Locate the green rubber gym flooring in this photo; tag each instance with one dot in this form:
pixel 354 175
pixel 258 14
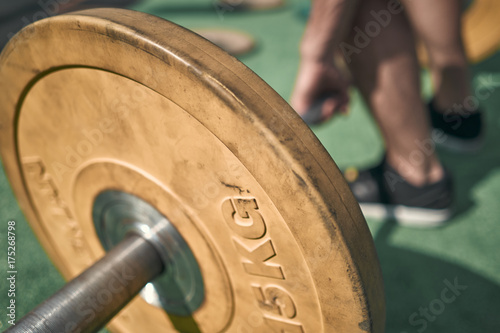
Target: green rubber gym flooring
pixel 418 265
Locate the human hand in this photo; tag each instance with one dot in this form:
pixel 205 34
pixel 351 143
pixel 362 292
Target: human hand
pixel 320 81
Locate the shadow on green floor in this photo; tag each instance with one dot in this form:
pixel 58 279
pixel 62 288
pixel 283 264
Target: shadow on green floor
pixel 489 65
pixel 426 294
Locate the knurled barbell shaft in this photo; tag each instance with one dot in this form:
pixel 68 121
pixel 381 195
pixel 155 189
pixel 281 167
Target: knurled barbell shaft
pixel 89 301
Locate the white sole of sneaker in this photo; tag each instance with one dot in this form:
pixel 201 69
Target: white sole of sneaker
pixel 408 216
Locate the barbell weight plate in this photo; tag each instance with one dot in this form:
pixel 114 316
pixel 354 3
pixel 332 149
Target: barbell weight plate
pixel 480 31
pixel 118 100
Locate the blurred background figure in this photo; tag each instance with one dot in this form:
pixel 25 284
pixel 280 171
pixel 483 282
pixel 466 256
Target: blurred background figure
pixel 376 39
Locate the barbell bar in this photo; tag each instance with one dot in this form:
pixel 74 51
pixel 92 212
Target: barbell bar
pixel 115 279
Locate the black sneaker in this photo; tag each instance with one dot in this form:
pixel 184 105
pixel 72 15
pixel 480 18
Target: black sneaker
pixel 383 193
pixel 460 132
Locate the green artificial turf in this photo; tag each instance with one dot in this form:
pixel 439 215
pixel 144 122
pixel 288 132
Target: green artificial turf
pixel 417 264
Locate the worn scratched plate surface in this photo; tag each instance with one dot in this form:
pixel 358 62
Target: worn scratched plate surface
pixel 119 100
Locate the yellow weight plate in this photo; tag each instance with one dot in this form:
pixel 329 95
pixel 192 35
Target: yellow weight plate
pixel 119 100
pixel 480 31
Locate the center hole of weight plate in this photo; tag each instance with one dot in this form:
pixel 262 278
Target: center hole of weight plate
pixel 179 290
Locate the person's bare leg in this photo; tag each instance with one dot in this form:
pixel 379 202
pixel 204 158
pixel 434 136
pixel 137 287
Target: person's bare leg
pixel 437 24
pixel 387 74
